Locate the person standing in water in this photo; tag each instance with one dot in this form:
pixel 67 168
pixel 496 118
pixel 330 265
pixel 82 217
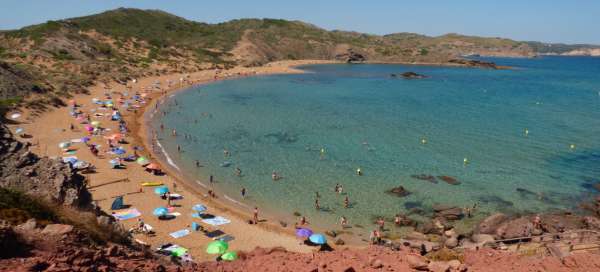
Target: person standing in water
pixel 317 206
pixel 344 221
pixel 255 217
pixel 238 172
pixel 174 132
pixel 211 179
pixel 346 202
pixel 243 191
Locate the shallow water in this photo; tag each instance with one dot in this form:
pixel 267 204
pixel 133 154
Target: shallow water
pixel 363 118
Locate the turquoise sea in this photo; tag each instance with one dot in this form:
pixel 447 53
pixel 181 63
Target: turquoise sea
pixel 531 136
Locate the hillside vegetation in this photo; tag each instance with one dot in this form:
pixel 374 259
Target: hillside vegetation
pixel 41 63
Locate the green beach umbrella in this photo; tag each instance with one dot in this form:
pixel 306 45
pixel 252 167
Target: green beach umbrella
pixel 217 247
pixel 142 161
pixel 229 256
pixel 180 251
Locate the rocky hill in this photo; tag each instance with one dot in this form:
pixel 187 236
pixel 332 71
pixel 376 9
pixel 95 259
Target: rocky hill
pixel 41 63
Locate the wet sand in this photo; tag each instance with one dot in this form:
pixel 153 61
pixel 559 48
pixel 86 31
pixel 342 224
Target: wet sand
pixel 52 127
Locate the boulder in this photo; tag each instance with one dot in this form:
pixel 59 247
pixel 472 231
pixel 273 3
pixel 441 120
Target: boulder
pixel 592 222
pixel 520 227
pixel 454 264
pixel 426 246
pixel 450 180
pixel 437 266
pixel 399 191
pixel 412 75
pixel 454 213
pixel 31 224
pixel 57 229
pixel 451 242
pixel 417 262
pixel 415 235
pixel 489 224
pixel 482 238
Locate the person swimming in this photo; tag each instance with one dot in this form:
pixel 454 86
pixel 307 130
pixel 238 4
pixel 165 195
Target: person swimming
pixel 238 172
pixel 359 172
pixel 275 176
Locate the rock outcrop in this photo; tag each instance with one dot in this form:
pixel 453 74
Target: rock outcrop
pixel 351 56
pixel 48 178
pixel 476 63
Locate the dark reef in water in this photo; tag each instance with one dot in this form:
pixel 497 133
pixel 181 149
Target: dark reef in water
pixel 283 137
pixel 498 201
pixel 425 177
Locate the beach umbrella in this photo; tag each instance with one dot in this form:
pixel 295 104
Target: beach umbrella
pixel 64 144
pixel 161 190
pixel 95 123
pixel 153 166
pixel 115 136
pixel 318 239
pixel 303 232
pixel 19 130
pixel 114 162
pixel 160 211
pixel 217 247
pixel 79 164
pixel 142 161
pixel 199 208
pixel 85 139
pixel 178 252
pixel 15 116
pixel 229 256
pixel 89 128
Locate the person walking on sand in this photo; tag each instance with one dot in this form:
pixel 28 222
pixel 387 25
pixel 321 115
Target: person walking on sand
pixel 255 218
pixel 168 196
pixel 174 186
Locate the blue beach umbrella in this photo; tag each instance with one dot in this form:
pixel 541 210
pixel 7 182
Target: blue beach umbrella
pixel 318 239
pixel 119 151
pixel 199 208
pixel 303 232
pixel 161 190
pixel 160 211
pixel 70 160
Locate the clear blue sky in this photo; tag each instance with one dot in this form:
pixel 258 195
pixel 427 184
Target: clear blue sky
pixel 549 20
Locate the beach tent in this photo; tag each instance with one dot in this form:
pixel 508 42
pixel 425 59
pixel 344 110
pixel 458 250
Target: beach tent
pixel 117 203
pixel 318 239
pixel 217 247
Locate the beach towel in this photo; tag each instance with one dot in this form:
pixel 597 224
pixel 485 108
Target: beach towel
pixel 214 233
pixel 217 221
pixel 117 203
pixel 174 214
pixel 76 140
pixel 226 238
pixel 180 233
pixel 176 196
pixel 126 214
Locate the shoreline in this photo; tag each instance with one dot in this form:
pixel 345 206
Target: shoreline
pixel 52 127
pixel 142 130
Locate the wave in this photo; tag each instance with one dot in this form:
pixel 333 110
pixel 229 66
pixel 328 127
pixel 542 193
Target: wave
pixel 235 201
pixel 201 184
pixel 169 160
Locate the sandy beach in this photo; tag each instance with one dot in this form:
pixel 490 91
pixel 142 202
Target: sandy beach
pixel 53 127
